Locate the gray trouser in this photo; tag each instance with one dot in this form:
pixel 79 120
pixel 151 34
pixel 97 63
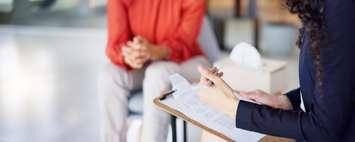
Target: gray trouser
pixel 115 85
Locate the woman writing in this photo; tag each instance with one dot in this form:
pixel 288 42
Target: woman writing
pixel 327 81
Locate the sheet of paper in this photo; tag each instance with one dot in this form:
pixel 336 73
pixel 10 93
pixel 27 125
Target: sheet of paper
pixel 189 103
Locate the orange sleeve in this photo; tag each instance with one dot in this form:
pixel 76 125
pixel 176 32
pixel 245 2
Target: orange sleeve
pixel 118 31
pixel 183 43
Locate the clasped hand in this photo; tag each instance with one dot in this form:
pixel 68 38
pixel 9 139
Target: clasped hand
pixel 138 51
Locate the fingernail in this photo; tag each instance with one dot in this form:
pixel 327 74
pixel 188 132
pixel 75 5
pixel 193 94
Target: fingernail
pixel 210 83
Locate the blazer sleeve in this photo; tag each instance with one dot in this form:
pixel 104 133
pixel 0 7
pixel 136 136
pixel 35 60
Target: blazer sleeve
pixel 183 43
pixel 118 31
pixel 295 99
pixel 327 117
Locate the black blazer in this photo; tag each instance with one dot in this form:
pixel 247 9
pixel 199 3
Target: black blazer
pixel 330 116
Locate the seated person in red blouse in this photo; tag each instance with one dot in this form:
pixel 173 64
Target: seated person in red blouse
pixel 148 40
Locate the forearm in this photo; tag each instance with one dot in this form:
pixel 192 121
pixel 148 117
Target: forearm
pixel 268 120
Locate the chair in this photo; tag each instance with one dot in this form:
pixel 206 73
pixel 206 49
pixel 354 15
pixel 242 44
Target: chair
pixel 209 45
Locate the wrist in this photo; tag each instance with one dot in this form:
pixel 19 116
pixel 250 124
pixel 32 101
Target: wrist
pixel 283 102
pixel 232 111
pixel 159 53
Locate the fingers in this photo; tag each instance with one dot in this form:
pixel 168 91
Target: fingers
pixel 136 63
pixel 139 51
pixel 134 53
pixel 126 51
pixel 206 81
pixel 258 96
pixel 207 73
pixel 220 74
pixel 138 46
pixel 212 78
pixel 209 76
pixel 140 43
pixel 138 39
pixel 205 76
pixel 133 45
pixel 132 63
pixel 133 57
pixel 216 71
pixel 213 70
pixel 248 95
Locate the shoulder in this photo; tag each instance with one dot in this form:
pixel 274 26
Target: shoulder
pixel 340 20
pixel 339 12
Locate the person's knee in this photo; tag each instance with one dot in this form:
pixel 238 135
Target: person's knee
pixel 111 85
pixel 159 72
pixel 157 78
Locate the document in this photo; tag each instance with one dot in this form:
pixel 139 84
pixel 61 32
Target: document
pixel 187 102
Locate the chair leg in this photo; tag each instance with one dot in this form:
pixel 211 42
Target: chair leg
pixel 174 132
pixel 185 131
pixel 173 128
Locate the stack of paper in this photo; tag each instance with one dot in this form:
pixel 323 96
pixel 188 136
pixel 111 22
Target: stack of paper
pixel 187 102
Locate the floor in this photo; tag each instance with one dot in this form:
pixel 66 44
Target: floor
pixel 48 76
pixel 48 83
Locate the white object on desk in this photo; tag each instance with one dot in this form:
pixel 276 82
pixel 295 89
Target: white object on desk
pixel 190 105
pixel 246 56
pixel 270 78
pixel 245 70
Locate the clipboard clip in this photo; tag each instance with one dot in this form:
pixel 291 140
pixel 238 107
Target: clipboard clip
pixel 167 94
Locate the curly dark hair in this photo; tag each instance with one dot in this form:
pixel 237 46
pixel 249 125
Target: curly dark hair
pixel 311 14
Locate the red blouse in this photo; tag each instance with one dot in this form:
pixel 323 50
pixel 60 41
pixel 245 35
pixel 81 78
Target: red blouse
pixel 173 24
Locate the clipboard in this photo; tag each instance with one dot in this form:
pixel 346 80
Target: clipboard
pixel 172 111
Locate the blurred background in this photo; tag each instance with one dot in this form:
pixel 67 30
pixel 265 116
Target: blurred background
pixel 51 52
